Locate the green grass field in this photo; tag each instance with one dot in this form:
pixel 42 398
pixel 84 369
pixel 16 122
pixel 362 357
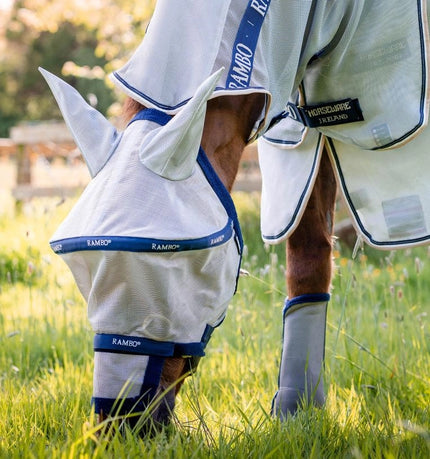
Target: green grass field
pixel 377 358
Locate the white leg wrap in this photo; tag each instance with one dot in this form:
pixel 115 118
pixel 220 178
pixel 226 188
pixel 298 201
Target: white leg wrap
pixel 301 370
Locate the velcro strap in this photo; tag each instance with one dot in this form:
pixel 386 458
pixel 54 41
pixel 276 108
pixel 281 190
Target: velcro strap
pixel 143 346
pixel 327 114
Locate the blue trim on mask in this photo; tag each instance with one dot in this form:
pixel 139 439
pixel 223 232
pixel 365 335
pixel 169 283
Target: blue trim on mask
pixel 151 114
pixel 135 244
pixel 157 352
pixel 226 200
pixel 142 244
pixel 118 407
pixel 221 191
pixel 302 299
pixel 137 345
pixel 152 377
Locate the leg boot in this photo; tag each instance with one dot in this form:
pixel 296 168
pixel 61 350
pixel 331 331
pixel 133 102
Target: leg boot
pixel 301 370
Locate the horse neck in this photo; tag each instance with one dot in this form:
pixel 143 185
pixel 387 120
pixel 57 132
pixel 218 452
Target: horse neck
pixel 228 125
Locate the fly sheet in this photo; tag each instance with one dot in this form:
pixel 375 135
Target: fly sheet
pixel 364 97
pixel 354 71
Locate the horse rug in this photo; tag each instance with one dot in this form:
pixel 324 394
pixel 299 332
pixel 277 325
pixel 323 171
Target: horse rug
pixel 350 75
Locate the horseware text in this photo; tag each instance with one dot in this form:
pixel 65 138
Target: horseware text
pixel 326 109
pixel 330 113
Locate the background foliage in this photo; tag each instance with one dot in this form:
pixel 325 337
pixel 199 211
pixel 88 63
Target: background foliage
pixel 80 40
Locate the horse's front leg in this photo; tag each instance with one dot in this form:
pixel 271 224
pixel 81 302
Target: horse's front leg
pixel 309 270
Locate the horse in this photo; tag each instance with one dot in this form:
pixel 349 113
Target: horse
pixel 227 127
pixel 205 82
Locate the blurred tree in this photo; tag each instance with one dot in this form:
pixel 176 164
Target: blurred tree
pixel 82 40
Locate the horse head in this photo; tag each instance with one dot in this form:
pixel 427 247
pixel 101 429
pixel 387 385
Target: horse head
pixel 155 267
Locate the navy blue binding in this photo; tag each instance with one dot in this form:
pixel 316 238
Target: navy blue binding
pixel 132 244
pixel 157 351
pixel 302 299
pixel 302 196
pixel 141 244
pixel 404 242
pixel 146 97
pixel 151 114
pixel 239 74
pixel 121 344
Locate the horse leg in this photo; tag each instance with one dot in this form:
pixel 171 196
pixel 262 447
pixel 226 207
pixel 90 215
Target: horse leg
pixel 175 370
pixel 309 270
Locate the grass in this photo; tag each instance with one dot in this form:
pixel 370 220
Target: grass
pixel 377 358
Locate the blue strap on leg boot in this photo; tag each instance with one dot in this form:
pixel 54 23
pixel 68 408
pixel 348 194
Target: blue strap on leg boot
pixel 301 369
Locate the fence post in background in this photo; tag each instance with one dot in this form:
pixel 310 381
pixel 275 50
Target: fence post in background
pixel 23 171
pixel 26 137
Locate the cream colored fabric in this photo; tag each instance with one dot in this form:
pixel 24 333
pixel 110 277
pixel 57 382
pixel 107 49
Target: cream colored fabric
pixel 162 291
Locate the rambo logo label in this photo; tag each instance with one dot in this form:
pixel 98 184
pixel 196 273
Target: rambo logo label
pixel 260 6
pixel 98 242
pixel 242 60
pixel 125 342
pixel 217 240
pixel 57 248
pixel 165 247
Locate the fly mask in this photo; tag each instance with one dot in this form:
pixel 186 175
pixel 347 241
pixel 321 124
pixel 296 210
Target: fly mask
pixel 153 242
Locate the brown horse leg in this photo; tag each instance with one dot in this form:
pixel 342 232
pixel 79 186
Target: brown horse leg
pixel 175 370
pixel 309 261
pixel 309 249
